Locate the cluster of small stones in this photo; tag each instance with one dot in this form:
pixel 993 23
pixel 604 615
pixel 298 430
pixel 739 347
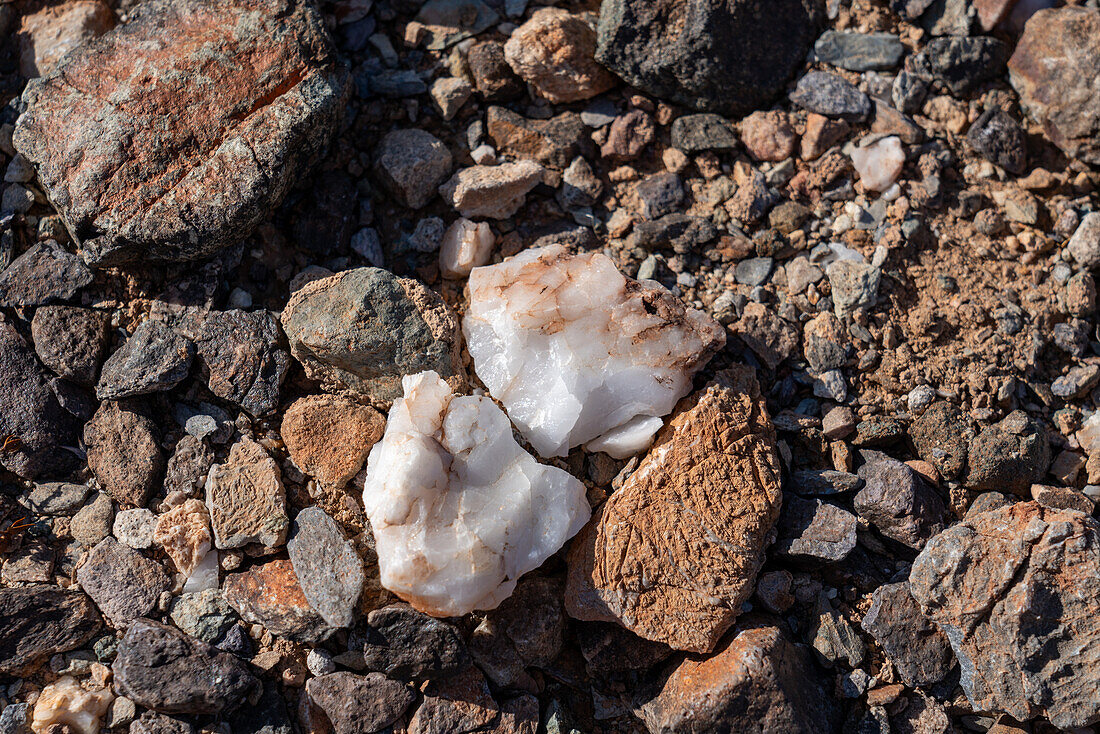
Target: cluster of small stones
pixel 489 366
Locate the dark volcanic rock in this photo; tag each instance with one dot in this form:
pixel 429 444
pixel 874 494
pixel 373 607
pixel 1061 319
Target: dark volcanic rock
pixel 1000 139
pixel 359 704
pixel 730 57
pixel 493 77
pixel 244 358
pixel 411 164
pixel 155 358
pixel 941 436
pixel 822 482
pixel 704 131
pixel 1017 592
pixel 71 341
pixel 232 103
pixel 1009 456
pixel 916 647
pixel 30 412
pixel 831 95
pixel 1054 71
pixel 554 142
pixel 524 631
pixel 43 274
pixel 123 583
pixel 812 530
pixel 859 51
pixel 124 453
pixel 900 504
pixel 403 643
pixel 463 704
pixel 962 63
pixel 162 669
pixel 39 621
pixel 758 682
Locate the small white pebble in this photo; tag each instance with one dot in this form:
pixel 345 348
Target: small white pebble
pixel 484 155
pixel 320 662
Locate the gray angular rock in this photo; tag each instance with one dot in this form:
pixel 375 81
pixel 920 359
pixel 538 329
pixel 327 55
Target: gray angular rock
pixel 811 530
pixel 362 330
pixel 359 704
pixel 900 504
pixel 57 498
pixel 124 454
pixel 705 131
pixel 962 63
pixel 244 358
pixel 941 436
pixel 1008 456
pixel 163 669
pixel 234 102
pixel 728 57
pixel 43 274
pixel 93 522
pixel 831 95
pixel 31 413
pixel 71 341
pixel 1000 140
pixel 123 583
pixel 205 615
pixel 155 358
pixel 1084 245
pixel 1017 592
pixel 822 482
pixel 859 51
pixel 409 645
pixel 39 621
pixel 328 568
pixel 411 165
pixel 919 651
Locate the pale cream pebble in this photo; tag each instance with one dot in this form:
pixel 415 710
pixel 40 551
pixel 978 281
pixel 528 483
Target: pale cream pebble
pixel 65 702
pixel 879 164
pixel 458 509
pixel 184 533
pixel 466 245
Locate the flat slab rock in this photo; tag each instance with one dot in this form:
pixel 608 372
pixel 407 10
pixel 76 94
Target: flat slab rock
pixel 1017 592
pixel 674 553
pixel 37 622
pixel 173 135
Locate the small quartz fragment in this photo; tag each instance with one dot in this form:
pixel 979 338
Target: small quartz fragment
pixel 579 353
pixel 459 510
pixel 879 164
pixel 466 245
pixel 65 703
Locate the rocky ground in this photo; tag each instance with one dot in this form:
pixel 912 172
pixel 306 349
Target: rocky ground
pixel 542 366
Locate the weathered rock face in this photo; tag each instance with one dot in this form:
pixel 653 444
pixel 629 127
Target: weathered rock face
pixel 463 704
pixel 359 704
pixel 246 498
pixel 1016 592
pixel 1008 456
pixel 55 30
pixel 363 330
pixel 730 57
pixel 553 51
pixel 759 682
pixel 459 510
pixel 674 553
pixel 329 436
pixel 491 192
pixel 579 353
pixel 244 358
pixel 916 647
pixel 175 134
pixel 269 594
pixel 1054 71
pixel 167 671
pixel 37 622
pixel 409 645
pixel 899 503
pixel 123 583
pixel 124 451
pixel 71 341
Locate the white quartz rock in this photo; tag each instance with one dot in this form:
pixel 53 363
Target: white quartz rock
pixel 466 245
pixel 578 353
pixel 459 510
pixel 879 164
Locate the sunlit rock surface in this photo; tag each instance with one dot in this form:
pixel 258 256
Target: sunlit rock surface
pixel 459 510
pixel 65 703
pixel 579 353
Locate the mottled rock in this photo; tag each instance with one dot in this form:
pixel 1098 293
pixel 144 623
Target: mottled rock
pixel 674 553
pixel 630 133
pixel 123 583
pixel 71 341
pixel 135 527
pixel 246 498
pixel 188 467
pixel 151 722
pixel 39 621
pixel 831 95
pixel 243 357
pixel 900 504
pixel 409 645
pixel 362 330
pixel 463 704
pixel 554 142
pixel 554 53
pixel 730 57
pixel 1052 69
pixel 359 704
pixel 57 498
pixel 155 358
pixel 233 103
pixel 962 63
pixel 93 522
pixel 48 34
pixel 491 192
pixel 705 131
pixel 269 594
pixel 941 436
pixel 812 530
pixel 411 165
pixel 1009 456
pixel 43 274
pixel 124 452
pixel 328 568
pixel 184 534
pixel 757 682
pixel 329 436
pixel 204 615
pixel 859 51
pixel 1015 590
pixel 770 337
pixel 1000 139
pixel 919 651
pixel 768 136
pixel 163 669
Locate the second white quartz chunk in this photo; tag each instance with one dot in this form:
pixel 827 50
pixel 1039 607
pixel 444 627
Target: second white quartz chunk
pixel 577 352
pixel 459 510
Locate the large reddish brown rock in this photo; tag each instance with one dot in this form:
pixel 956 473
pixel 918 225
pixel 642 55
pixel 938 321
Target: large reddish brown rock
pixel 554 51
pixel 1055 72
pixel 674 553
pixel 269 594
pixel 55 30
pixel 1017 592
pixel 329 436
pixel 758 682
pixel 175 134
